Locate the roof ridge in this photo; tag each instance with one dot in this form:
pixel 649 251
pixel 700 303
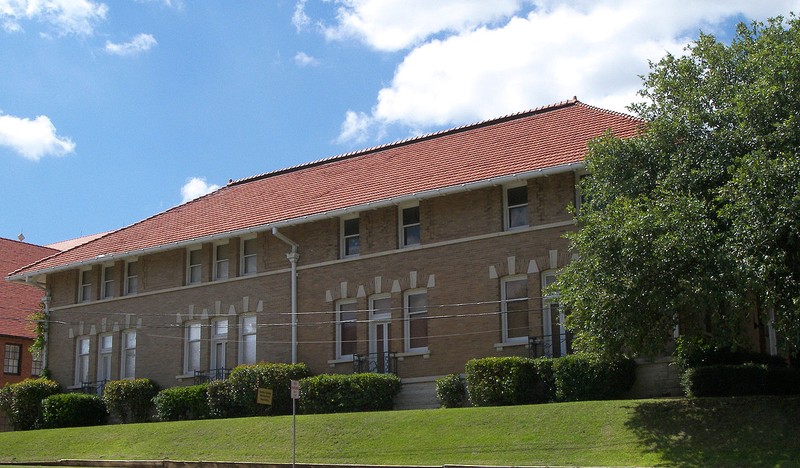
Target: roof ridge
pixel 17 241
pixel 410 140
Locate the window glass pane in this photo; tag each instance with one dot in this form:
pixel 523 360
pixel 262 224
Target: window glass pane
pixel 249 324
pixel 130 340
pixel 351 227
pixel 418 330
pixel 194 356
pixel 518 216
pixel 517 196
pixel 382 306
pixel 194 331
pixel 348 338
pixel 411 215
pixel 194 274
pixel 222 252
pixel 417 302
pixel 250 247
pixel 221 327
pixel 411 235
pixel 352 246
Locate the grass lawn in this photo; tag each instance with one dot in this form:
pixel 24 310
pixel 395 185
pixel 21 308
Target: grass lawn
pixel 752 431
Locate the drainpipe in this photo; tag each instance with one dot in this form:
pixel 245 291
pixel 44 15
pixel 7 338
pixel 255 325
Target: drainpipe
pixel 292 256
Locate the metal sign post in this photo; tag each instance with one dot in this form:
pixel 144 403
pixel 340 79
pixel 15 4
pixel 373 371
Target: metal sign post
pixel 295 397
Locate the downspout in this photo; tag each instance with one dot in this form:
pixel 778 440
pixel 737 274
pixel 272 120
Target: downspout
pixel 292 256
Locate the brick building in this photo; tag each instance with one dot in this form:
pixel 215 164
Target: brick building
pixel 18 302
pixel 412 258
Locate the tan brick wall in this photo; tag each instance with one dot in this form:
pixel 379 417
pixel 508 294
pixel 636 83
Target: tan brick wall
pixel 463 255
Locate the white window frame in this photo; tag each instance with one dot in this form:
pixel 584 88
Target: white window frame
pixel 547 322
pixel 343 244
pixel 248 336
pixel 131 280
pixel 192 267
pixel 505 301
pixel 507 207
pixel 408 316
pixel 105 356
pixel 219 343
pixel 83 348
pixel 191 346
pixel 222 265
pixel 85 284
pixel 403 225
pixel 108 283
pixel 244 257
pixel 12 359
pixel 128 351
pixel 340 322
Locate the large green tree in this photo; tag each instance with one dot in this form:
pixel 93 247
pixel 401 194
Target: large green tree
pixel 695 222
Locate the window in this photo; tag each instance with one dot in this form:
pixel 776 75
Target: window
pixel 219 341
pixel 85 288
pixel 556 338
pixel 351 239
pixel 409 226
pixel 128 367
pixel 416 321
pixel 81 361
pixel 194 269
pixel 11 359
pixel 104 357
pixel 36 363
pixel 249 256
pixel 191 352
pixel 514 305
pixel 108 281
pixel 346 333
pixel 247 340
pixel 221 261
pixel 580 198
pixel 131 277
pixel 516 212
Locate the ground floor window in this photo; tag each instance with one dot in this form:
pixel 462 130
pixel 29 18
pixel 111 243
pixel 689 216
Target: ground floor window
pixel 128 367
pixel 106 346
pixel 514 308
pixel 11 359
pixel 416 321
pixel 191 361
pixel 247 340
pixel 81 361
pixel 346 334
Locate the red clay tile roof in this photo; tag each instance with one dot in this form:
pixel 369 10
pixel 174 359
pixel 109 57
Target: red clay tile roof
pixel 548 137
pixel 71 243
pixel 18 301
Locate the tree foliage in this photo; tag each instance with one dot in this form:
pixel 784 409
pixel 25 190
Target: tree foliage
pixel 695 222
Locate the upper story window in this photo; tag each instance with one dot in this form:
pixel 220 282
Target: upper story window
pixel 11 359
pixel 346 332
pixel 580 198
pixel 85 286
pixel 194 266
pixel 351 237
pixel 249 255
pixel 109 274
pixel 221 261
pixel 416 321
pixel 514 308
pixel 131 277
pixel 409 226
pixel 516 206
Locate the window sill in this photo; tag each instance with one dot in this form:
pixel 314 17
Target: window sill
pixel 343 360
pixel 425 353
pixel 509 344
pixel 184 376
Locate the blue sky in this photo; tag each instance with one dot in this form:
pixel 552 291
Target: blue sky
pixel 111 112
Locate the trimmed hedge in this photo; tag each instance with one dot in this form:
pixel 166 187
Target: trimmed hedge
pixel 73 410
pixel 182 403
pixel 739 380
pixel 236 396
pixel 22 402
pixel 451 391
pixel 693 352
pixel 339 393
pixel 130 400
pixel 499 381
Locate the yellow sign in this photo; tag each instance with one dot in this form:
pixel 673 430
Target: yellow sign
pixel 264 396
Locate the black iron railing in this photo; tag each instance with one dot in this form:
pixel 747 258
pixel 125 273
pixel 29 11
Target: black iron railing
pixel 378 363
pixel 93 388
pixel 203 376
pixel 540 346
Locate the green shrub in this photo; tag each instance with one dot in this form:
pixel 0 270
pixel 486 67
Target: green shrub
pixel 236 396
pixel 130 400
pixel 694 352
pixel 580 377
pixel 451 391
pixel 180 403
pixel 497 381
pixel 740 380
pixel 22 402
pixel 338 393
pixel 73 410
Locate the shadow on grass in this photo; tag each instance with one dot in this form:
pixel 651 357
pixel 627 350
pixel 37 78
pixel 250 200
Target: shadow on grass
pixel 744 431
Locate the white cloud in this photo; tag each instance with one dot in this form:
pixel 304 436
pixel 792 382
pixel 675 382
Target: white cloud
pixel 67 16
pixel 300 19
pixel 140 43
pixel 391 25
pixel 196 187
pixel 595 50
pixel 33 139
pixel 304 60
